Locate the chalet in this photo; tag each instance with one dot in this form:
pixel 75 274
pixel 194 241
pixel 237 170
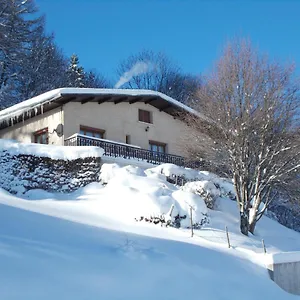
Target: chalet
pixel 138 124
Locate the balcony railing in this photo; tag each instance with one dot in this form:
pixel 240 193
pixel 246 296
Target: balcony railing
pixel 115 149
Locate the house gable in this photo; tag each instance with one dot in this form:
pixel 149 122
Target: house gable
pixel 121 122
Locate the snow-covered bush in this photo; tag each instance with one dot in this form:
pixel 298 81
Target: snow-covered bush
pixel 163 220
pixel 203 183
pixel 206 189
pixel 176 220
pixel 147 196
pixel 172 171
pixel 174 209
pixel 109 171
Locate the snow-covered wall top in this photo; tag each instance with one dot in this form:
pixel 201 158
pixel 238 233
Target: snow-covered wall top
pixel 20 108
pixel 283 257
pixel 50 151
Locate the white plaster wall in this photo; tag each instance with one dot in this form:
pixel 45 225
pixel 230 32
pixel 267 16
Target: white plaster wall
pixel 23 132
pixel 119 120
pixel 287 276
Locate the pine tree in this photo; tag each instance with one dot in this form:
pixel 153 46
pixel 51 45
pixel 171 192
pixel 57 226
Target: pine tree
pixel 76 74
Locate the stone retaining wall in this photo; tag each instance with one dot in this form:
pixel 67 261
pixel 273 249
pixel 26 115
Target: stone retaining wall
pixel 20 173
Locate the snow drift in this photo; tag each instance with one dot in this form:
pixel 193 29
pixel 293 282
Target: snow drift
pixel 48 257
pixel 149 196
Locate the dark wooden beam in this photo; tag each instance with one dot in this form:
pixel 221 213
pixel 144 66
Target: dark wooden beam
pixel 117 101
pixel 87 99
pixel 137 99
pixel 65 101
pixel 165 107
pixel 105 99
pixel 149 100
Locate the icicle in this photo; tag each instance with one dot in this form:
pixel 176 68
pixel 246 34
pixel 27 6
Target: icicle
pixel 23 115
pixel 42 108
pixel 35 111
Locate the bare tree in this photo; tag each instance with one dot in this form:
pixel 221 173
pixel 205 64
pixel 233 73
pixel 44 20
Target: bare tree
pixel 18 27
pixel 43 68
pixel 95 80
pixel 155 71
pixel 18 23
pixel 253 105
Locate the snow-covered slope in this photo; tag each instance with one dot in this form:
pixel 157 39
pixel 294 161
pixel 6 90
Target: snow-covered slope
pixel 87 245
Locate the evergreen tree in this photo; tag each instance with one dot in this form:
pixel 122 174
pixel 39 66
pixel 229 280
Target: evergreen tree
pixel 76 74
pixel 30 61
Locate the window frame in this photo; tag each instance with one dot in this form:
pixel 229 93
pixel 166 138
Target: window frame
pixel 142 118
pixel 92 130
pixel 39 133
pixel 158 144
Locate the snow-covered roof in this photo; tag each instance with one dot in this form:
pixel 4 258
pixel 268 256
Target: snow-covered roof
pixel 57 97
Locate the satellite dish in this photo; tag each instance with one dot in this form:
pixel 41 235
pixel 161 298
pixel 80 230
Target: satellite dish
pixel 59 130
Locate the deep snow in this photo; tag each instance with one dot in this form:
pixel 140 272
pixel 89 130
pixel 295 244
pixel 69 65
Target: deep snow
pixel 54 152
pixel 87 245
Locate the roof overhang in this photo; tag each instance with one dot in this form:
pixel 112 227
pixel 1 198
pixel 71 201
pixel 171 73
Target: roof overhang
pixel 59 97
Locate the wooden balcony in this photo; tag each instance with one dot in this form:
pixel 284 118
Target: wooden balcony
pixel 115 149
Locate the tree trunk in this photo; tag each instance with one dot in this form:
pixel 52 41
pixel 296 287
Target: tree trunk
pixel 244 223
pixel 254 211
pixel 252 226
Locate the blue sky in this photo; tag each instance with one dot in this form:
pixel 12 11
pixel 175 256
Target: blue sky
pixel 191 32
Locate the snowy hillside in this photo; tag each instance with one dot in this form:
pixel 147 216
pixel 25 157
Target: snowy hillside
pixel 88 244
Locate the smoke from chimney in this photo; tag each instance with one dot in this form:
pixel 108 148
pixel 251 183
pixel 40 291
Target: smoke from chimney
pixel 137 69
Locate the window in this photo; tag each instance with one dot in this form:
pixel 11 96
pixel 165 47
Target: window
pixel 41 136
pixel 127 139
pixel 93 132
pixel 145 116
pixel 157 147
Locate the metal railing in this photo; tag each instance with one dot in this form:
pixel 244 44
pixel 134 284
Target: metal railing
pixel 115 149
